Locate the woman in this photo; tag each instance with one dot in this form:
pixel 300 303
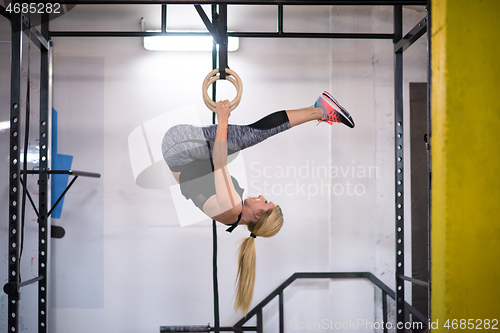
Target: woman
pixel 198 157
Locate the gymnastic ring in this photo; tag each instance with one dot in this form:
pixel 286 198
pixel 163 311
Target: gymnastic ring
pixel 211 104
pixel 235 80
pixel 211 78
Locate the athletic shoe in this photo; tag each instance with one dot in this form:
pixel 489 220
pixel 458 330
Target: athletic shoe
pixel 333 111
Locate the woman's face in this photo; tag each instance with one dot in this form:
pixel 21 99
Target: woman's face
pixel 257 204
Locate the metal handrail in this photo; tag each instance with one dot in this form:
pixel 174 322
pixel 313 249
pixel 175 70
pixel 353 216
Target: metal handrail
pixel 257 310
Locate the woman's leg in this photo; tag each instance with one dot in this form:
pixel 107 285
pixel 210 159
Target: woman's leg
pixel 243 136
pixel 183 144
pixel 304 115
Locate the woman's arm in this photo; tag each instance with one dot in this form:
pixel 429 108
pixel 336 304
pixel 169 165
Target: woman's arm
pixel 226 195
pixel 219 155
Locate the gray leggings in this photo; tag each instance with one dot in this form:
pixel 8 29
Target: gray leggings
pixel 183 144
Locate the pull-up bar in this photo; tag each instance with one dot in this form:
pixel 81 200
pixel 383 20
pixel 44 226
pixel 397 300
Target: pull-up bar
pixel 74 173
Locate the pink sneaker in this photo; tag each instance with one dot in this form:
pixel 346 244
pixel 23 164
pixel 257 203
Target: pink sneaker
pixel 333 111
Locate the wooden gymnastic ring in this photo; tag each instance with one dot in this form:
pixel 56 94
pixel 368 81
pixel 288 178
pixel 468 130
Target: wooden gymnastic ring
pixel 235 80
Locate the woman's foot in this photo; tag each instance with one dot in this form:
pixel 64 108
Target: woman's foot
pixel 333 112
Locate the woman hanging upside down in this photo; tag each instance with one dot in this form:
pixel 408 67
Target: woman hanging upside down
pixel 191 151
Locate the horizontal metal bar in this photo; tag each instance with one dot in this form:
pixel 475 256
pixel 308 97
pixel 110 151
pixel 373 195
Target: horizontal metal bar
pixel 311 35
pixel 122 33
pixel 415 281
pixel 412 36
pixel 184 328
pixel 25 283
pixel 164 329
pixel 332 275
pixel 67 172
pixel 78 173
pixel 36 36
pixel 231 34
pixel 251 2
pixel 231 329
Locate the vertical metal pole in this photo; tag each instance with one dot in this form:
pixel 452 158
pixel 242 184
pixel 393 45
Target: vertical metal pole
pixel 163 18
pixel 223 64
pixel 260 322
pixel 215 282
pixel 384 310
pixel 280 19
pixel 43 225
pixel 215 22
pixel 281 314
pixel 429 160
pixel 14 172
pixel 399 178
pixel 214 223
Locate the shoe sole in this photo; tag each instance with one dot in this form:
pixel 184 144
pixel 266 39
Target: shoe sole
pixel 343 111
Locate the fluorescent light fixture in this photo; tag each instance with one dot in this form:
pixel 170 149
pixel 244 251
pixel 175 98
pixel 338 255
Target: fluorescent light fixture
pixel 186 43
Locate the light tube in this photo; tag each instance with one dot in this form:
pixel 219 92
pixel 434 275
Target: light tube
pixel 185 43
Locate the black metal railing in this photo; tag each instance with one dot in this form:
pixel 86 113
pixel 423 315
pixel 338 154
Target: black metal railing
pixel 257 311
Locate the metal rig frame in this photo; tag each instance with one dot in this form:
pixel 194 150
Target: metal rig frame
pixel 218 30
pixel 12 288
pixel 20 24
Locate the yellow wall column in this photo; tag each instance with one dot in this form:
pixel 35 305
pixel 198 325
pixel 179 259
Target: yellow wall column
pixel 465 233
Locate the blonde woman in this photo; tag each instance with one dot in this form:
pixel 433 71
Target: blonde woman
pixel 198 158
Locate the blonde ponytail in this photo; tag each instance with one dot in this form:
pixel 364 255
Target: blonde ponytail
pixel 268 225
